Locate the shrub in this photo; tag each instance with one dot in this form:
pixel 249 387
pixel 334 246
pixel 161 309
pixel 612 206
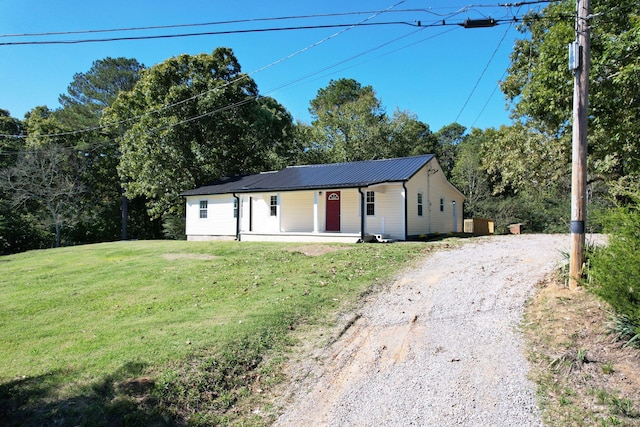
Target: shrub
pixel 173 227
pixel 615 269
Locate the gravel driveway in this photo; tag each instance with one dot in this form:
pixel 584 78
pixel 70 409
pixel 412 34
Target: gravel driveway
pixel 438 347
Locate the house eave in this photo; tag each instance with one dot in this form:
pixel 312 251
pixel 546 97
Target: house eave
pixel 370 185
pixel 350 185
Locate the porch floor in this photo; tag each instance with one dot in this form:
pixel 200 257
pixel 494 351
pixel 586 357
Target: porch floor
pixel 309 237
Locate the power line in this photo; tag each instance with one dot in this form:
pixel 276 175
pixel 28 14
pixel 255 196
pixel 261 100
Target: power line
pixel 527 3
pixel 259 30
pixel 202 24
pixel 488 99
pixel 96 128
pixel 205 33
pixel 377 57
pixel 413 23
pixel 437 23
pixel 267 19
pixel 207 24
pixel 483 72
pixel 351 58
pixel 423 27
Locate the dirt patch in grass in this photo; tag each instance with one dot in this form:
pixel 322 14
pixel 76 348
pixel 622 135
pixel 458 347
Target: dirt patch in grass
pixel 135 386
pixel 198 257
pixel 583 376
pixel 317 250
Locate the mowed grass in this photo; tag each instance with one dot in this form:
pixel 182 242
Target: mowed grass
pixel 163 332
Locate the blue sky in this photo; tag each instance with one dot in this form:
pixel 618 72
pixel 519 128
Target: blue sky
pixel 429 71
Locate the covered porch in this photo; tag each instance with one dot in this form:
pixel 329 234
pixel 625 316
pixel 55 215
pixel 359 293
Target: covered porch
pixel 326 215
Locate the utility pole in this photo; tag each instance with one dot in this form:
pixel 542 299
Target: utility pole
pixel 579 62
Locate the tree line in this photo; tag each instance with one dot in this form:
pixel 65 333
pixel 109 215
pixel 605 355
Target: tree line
pixel 111 162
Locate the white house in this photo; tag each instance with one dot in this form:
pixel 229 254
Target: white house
pixel 340 202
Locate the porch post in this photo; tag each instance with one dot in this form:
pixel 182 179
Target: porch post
pixel 405 222
pixel 237 212
pixel 315 211
pixel 362 215
pixel 279 195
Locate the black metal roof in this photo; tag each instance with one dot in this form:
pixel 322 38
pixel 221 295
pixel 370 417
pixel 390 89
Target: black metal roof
pixel 309 177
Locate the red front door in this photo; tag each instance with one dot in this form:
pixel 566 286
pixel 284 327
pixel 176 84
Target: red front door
pixel 333 211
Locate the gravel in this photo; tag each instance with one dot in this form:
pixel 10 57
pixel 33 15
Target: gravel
pixel 440 346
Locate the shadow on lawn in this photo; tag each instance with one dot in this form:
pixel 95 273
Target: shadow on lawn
pixel 121 399
pixel 438 237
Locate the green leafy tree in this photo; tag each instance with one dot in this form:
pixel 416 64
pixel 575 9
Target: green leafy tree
pixel 47 178
pixel 518 158
pixel 348 123
pixel 10 138
pixel 408 136
pixel 530 172
pixel 87 96
pixel 469 175
pixel 91 92
pixel 448 138
pixel 540 85
pixel 194 119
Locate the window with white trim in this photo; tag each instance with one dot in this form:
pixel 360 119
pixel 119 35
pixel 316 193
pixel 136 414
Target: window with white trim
pixel 235 208
pixel 371 203
pixel 274 205
pixel 204 205
pixel 442 205
pixel 420 205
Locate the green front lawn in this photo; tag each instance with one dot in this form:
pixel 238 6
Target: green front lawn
pixel 164 332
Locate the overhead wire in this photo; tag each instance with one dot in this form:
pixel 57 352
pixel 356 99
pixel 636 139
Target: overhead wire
pixel 362 23
pixel 379 56
pixel 495 87
pixel 204 33
pixel 317 43
pixel 423 27
pixel 280 87
pixel 252 20
pixel 248 100
pixel 415 23
pixel 246 31
pixel 165 107
pixel 493 55
pixel 227 22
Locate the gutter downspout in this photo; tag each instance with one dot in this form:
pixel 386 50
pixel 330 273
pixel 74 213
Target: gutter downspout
pixel 238 217
pixel 362 215
pixel 406 211
pixel 429 199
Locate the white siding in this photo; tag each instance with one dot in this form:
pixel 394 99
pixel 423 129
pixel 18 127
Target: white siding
pixel 297 211
pixel 389 211
pixel 431 182
pixel 261 218
pixel 420 183
pixel 349 211
pixel 219 221
pixel 244 212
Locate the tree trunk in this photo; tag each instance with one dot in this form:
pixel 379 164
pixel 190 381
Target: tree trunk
pixel 125 217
